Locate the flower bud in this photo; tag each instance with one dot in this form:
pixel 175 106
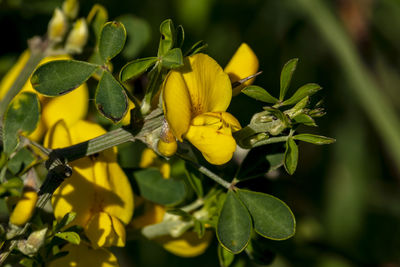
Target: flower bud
pixel 71 8
pixel 78 36
pixel 24 209
pixel 57 26
pixel 167 144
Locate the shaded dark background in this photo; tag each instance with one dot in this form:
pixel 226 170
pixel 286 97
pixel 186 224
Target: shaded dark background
pixel 345 196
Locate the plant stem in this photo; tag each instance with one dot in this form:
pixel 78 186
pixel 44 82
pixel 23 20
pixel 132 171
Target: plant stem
pixel 377 105
pixel 271 140
pixel 211 175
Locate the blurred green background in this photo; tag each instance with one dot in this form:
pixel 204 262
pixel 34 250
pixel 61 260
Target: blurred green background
pixel 346 196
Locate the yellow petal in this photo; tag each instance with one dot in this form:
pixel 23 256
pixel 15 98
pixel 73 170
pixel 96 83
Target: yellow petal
pixel 215 119
pixel 105 231
pixel 209 87
pixel 176 103
pixel 82 256
pixel 119 202
pixel 70 107
pixel 58 136
pixel 127 119
pixel 167 149
pixel 165 170
pixel 37 134
pixel 13 73
pixel 243 64
pixel 188 245
pixel 148 158
pixel 152 214
pixel 24 209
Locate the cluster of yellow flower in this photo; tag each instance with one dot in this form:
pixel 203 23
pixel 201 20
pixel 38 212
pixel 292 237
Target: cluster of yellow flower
pixel 195 99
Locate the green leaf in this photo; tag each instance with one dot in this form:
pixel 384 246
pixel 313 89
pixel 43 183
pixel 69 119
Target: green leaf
pixel 305 119
pixel 173 59
pixel 21 161
pixel 306 90
pixel 286 76
pixel 291 156
pixel 272 218
pixel 259 93
pixel 61 76
pixel 198 47
pixel 135 68
pixel 111 98
pixel 21 117
pixel 225 257
pixel 71 237
pixel 14 182
pixel 194 178
pixel 167 31
pixel 139 35
pixel 154 187
pixel 67 219
pixel 234 224
pixel 180 36
pixel 112 39
pixel 314 139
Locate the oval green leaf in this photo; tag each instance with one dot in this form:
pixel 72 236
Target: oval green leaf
pixel 305 90
pixel 136 68
pixel 291 156
pixel 234 224
pixel 61 76
pixel 112 39
pixel 111 98
pixel 71 237
pixel 286 76
pixel 167 31
pixel 21 117
pixel 314 139
pixel 305 119
pixel 154 187
pixel 259 93
pixel 173 59
pixel 272 218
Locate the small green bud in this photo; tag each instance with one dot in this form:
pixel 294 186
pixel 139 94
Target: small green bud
pixel 57 26
pixel 70 8
pixel 78 37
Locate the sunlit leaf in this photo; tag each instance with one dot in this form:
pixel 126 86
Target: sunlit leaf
pixel 61 76
pixel 259 93
pixel 286 76
pixel 234 224
pixel 21 117
pixel 314 139
pixel 167 31
pixel 71 237
pixel 272 218
pixel 306 90
pixel 136 68
pixel 173 59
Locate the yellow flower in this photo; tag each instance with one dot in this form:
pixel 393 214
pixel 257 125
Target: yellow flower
pixel 25 208
pixel 243 64
pixel 83 256
pixel 70 107
pixel 195 98
pixel 98 190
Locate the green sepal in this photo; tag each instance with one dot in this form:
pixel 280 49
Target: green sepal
pixel 198 47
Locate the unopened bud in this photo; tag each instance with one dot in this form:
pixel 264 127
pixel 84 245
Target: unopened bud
pixel 167 144
pixel 57 26
pixel 25 208
pixel 78 36
pixel 71 8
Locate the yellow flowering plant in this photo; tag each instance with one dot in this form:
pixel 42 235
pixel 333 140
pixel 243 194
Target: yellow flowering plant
pixel 187 184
